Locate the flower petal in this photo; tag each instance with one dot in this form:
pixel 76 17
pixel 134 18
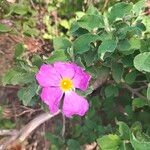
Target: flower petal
pixel 48 76
pixel 74 105
pixel 81 79
pixel 52 96
pixel 67 70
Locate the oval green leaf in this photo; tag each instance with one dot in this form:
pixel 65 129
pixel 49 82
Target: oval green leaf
pixel 142 62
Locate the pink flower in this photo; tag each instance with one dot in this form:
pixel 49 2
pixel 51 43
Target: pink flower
pixel 59 81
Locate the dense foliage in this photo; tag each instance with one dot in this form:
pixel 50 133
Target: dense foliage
pixel 113 45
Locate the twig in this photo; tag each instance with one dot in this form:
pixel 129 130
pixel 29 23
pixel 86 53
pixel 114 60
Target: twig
pixel 99 82
pixel 64 124
pixel 140 88
pixel 134 91
pixel 8 132
pixel 105 5
pixel 27 129
pixel 32 4
pixel 32 125
pixel 31 111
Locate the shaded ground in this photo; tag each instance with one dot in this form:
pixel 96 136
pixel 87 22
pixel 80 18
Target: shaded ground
pixel 12 109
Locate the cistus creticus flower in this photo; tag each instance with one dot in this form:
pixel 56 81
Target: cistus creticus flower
pixel 58 82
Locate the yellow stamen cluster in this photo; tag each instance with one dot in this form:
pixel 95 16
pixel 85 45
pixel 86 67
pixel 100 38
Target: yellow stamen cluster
pixel 66 84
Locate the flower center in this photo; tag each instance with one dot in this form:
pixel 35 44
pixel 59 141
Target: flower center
pixel 66 84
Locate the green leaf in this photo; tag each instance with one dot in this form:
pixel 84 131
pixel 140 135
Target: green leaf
pixel 92 10
pixel 20 9
pixel 82 43
pixel 127 61
pixel 57 55
pixel 27 93
pixel 139 7
pixel 65 23
pixel 109 142
pixel 15 77
pixel 107 46
pixel 119 10
pixel 146 22
pixel 131 76
pixel 124 45
pixel 32 31
pixel 124 130
pixel 99 72
pixel 139 145
pixel 91 22
pixel 148 92
pixel 111 91
pixel 135 43
pixel 89 57
pixel 117 71
pixel 73 144
pixel 37 60
pixel 142 62
pixel 138 103
pixel 56 142
pixel 19 49
pixel 145 45
pixel 61 43
pixel 4 28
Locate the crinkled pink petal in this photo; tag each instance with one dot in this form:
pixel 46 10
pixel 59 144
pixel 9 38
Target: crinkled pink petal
pixel 67 70
pixel 48 76
pixel 81 79
pixel 74 105
pixel 52 96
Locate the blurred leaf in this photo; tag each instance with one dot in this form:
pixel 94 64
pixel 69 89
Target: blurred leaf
pixel 64 23
pixel 109 142
pixel 135 43
pixel 111 91
pixel 139 145
pixel 37 60
pixel 57 55
pixel 107 46
pixel 61 43
pixel 89 57
pixel 56 142
pixel 99 72
pixel 91 22
pixel 19 49
pixel 124 130
pixel 4 28
pixel 20 9
pixel 127 61
pixel 117 71
pixel 92 10
pixel 82 43
pixel 124 45
pixel 7 124
pixel 88 92
pixel 145 45
pixel 119 10
pixel 79 62
pixel 27 93
pixel 30 30
pixel 15 76
pixel 73 144
pixel 131 76
pixel 129 111
pixel 138 103
pixel 142 62
pixel 146 22
pixel 139 7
